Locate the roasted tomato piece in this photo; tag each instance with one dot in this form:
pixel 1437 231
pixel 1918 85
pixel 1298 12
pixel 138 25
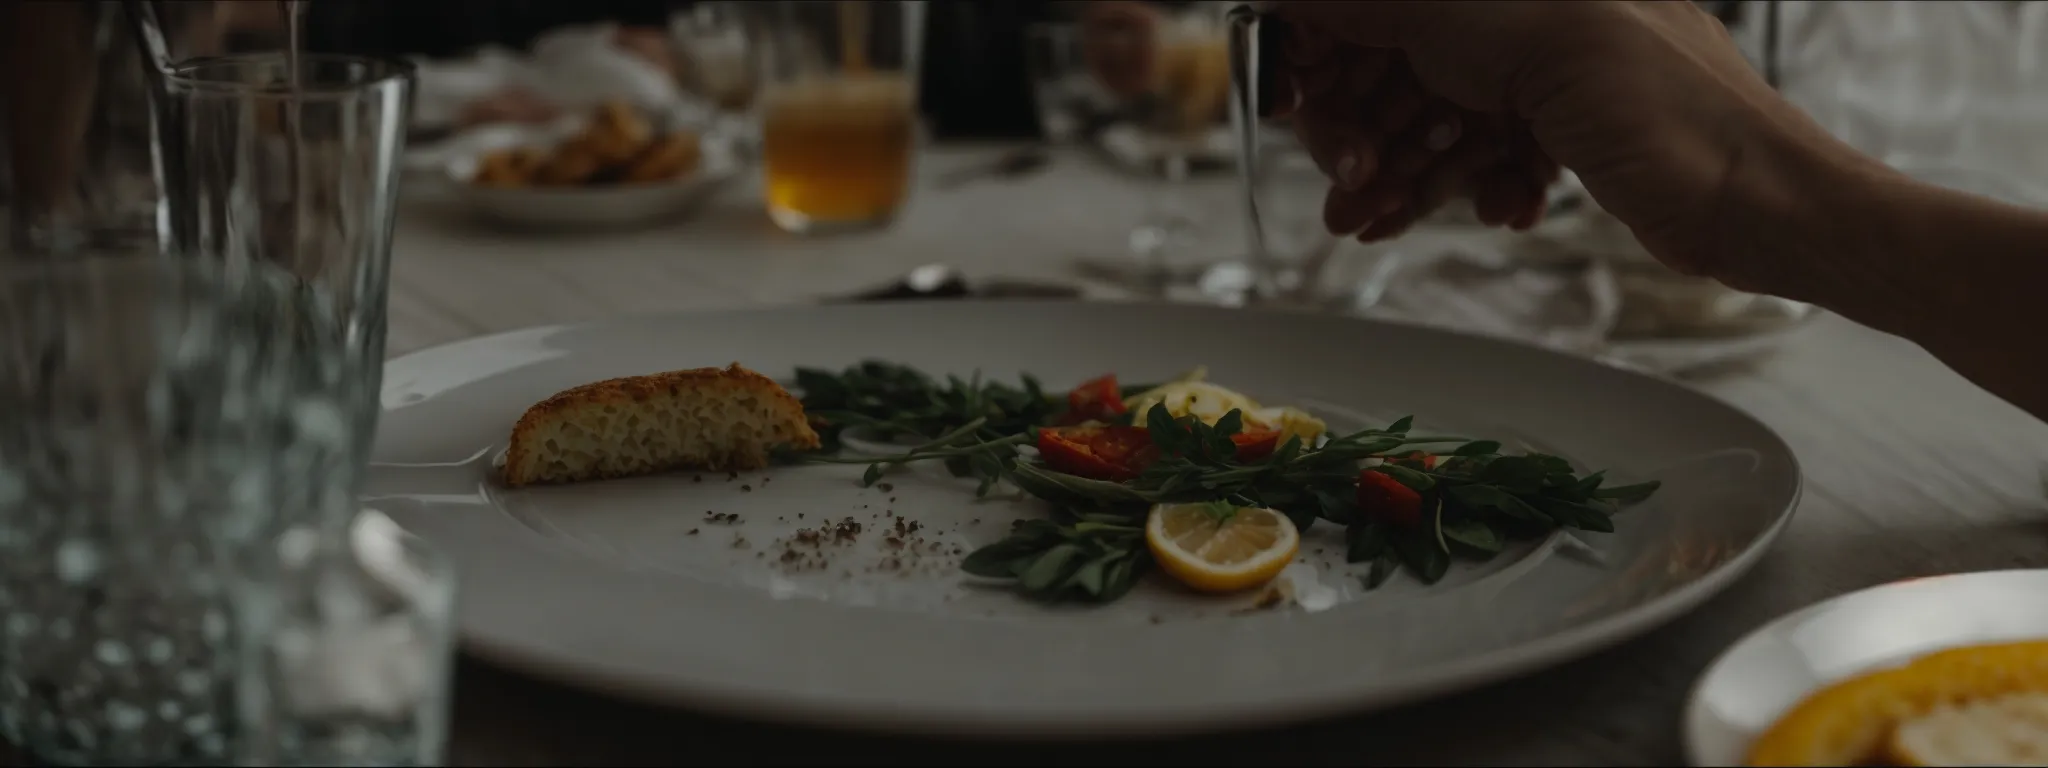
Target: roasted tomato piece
pixel 1253 446
pixel 1110 452
pixel 1095 400
pixel 1386 500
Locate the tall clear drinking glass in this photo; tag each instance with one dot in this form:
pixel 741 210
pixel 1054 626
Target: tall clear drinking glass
pixel 839 121
pixel 348 651
pixel 272 164
pixel 165 420
pixel 77 116
pixel 299 171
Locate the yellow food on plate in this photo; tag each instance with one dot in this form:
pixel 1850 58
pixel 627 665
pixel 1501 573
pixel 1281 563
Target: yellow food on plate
pixel 1928 712
pixel 1191 396
pixel 1215 547
pixel 705 418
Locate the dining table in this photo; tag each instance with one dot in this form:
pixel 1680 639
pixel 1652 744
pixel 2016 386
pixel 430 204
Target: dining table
pixel 1910 471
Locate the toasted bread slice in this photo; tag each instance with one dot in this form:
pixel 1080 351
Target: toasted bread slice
pixel 704 418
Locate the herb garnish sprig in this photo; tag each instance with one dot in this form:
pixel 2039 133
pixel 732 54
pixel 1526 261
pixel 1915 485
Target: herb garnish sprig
pixel 897 401
pixel 1406 501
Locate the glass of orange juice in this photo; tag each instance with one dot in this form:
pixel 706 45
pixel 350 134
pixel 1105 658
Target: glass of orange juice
pixel 838 110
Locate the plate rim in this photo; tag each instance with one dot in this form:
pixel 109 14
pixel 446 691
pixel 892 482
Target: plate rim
pixel 769 705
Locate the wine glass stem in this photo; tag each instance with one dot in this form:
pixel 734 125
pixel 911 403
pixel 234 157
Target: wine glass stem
pixel 1165 221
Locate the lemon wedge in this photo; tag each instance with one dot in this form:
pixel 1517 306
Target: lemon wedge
pixel 1199 399
pixel 2007 730
pixel 1215 547
pixel 1908 711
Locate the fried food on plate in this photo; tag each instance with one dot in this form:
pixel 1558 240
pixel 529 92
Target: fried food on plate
pixel 618 145
pixel 664 158
pixel 704 418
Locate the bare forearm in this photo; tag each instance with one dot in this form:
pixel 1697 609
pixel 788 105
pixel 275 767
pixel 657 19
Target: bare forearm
pixel 1963 276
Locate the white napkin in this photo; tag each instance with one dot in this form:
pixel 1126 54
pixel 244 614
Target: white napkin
pixel 571 67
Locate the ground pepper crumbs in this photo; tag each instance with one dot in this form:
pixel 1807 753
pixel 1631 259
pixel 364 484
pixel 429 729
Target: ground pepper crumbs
pixel 720 518
pixel 731 476
pixel 746 488
pixel 806 549
pixel 905 551
pixel 693 531
pixel 886 488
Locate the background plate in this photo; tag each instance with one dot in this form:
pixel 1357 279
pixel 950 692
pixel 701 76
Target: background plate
pixel 702 590
pixel 1762 676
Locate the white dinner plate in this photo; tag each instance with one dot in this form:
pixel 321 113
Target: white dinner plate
pixel 1766 673
pixel 597 206
pixel 678 589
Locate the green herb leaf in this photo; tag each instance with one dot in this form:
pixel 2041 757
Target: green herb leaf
pixel 993 561
pixel 1475 534
pixel 1338 505
pixel 1408 477
pixel 1231 424
pixel 1164 431
pixel 1051 569
pixel 1486 497
pixel 1220 511
pixel 1477 448
pixel 1287 451
pixel 1400 426
pixel 1579 515
pixel 1069 490
pixel 1521 473
pixel 1364 541
pixel 1419 550
pixel 1383 567
pixel 1627 494
pixel 1089 579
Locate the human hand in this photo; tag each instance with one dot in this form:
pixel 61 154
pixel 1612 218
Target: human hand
pixel 1650 103
pixel 1396 152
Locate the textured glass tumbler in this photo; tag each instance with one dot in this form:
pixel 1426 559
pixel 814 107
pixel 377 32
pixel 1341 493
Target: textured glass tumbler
pixel 348 651
pixel 298 171
pixel 161 417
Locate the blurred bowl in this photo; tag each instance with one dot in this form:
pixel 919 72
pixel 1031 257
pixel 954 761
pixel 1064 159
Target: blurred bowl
pixel 594 206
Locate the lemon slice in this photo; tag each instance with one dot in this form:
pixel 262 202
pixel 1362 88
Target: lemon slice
pixel 1215 547
pixel 2008 730
pixel 1864 718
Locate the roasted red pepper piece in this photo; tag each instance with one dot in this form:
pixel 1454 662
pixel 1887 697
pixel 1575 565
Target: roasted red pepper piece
pixel 1110 452
pixel 1095 400
pixel 1386 500
pixel 1253 446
